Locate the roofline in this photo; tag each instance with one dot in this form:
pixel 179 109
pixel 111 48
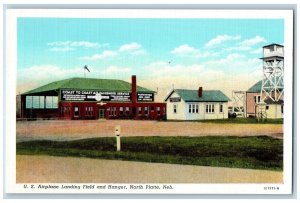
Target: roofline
pixel 174 90
pixel 273 44
pixel 168 96
pixel 28 92
pixel 269 57
pixel 57 90
pixel 207 101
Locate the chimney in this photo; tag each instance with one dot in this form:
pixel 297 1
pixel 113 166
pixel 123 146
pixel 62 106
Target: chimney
pixel 133 88
pixel 200 92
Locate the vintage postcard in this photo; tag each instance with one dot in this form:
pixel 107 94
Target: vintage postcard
pixel 166 101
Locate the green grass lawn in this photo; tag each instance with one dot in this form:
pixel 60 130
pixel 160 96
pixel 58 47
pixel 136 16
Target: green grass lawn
pixel 260 152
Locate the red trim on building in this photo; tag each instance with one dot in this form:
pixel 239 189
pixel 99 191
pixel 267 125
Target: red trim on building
pixel 94 110
pixel 72 110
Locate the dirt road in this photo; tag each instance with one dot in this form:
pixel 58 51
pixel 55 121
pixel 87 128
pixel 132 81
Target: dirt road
pixel 49 169
pixel 68 130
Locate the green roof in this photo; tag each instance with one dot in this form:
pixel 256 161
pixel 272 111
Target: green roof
pixel 256 87
pixel 88 84
pixel 207 95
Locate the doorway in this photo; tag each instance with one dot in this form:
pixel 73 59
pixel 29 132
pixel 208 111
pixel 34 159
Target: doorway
pixel 101 113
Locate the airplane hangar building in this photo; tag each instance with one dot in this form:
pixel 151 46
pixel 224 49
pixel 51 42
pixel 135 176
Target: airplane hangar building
pixel 86 98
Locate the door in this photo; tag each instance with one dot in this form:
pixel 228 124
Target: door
pixel 101 113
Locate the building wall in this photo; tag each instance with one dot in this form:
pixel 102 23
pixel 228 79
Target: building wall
pixel 91 110
pixel 184 114
pixel 274 111
pixel 180 113
pixel 250 107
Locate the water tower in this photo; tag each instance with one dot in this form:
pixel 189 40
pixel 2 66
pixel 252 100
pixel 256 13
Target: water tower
pixel 272 83
pixel 273 64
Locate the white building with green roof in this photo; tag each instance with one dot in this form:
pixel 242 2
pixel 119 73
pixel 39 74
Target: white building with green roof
pixel 184 104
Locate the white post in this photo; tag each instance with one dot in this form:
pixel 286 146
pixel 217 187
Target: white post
pixel 118 139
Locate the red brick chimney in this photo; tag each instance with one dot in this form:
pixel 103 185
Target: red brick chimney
pixel 133 88
pixel 200 92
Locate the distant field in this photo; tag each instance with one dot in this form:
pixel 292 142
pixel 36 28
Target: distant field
pixel 255 152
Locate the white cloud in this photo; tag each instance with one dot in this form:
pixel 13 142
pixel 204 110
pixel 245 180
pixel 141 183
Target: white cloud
pixel 38 75
pixel 235 63
pixel 188 51
pixel 103 55
pixel 220 39
pixel 65 46
pixel 130 47
pixel 238 48
pixel 185 50
pixel 133 48
pixel 247 45
pixel 253 41
pixel 61 49
pixel 115 69
pixel 257 51
pixel 86 44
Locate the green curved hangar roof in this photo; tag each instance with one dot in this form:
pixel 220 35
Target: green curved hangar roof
pixel 88 84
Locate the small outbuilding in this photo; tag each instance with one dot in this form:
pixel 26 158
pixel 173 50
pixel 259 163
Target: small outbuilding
pixel 184 104
pixel 254 103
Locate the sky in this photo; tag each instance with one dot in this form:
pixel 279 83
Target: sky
pixel 163 53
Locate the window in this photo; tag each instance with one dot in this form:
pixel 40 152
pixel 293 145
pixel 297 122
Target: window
pixel 127 110
pixel 69 111
pixel 140 110
pixel 210 108
pixel 35 102
pixel 51 102
pixel 221 108
pixel 28 102
pixel 121 110
pixel 158 110
pixel 281 109
pixel 146 110
pixel 42 102
pixel 174 108
pixel 76 111
pixel 267 107
pixel 193 108
pixel 90 111
pixel 257 99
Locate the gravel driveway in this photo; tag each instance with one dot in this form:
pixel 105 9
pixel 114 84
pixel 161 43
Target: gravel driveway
pixel 68 130
pixel 50 169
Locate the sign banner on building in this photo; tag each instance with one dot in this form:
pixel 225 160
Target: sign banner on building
pixel 84 95
pixel 175 99
pixel 145 97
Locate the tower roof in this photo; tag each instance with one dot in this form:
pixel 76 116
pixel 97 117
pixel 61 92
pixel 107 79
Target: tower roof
pixel 269 45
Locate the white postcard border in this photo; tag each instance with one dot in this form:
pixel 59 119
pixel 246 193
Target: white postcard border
pixel 10 93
